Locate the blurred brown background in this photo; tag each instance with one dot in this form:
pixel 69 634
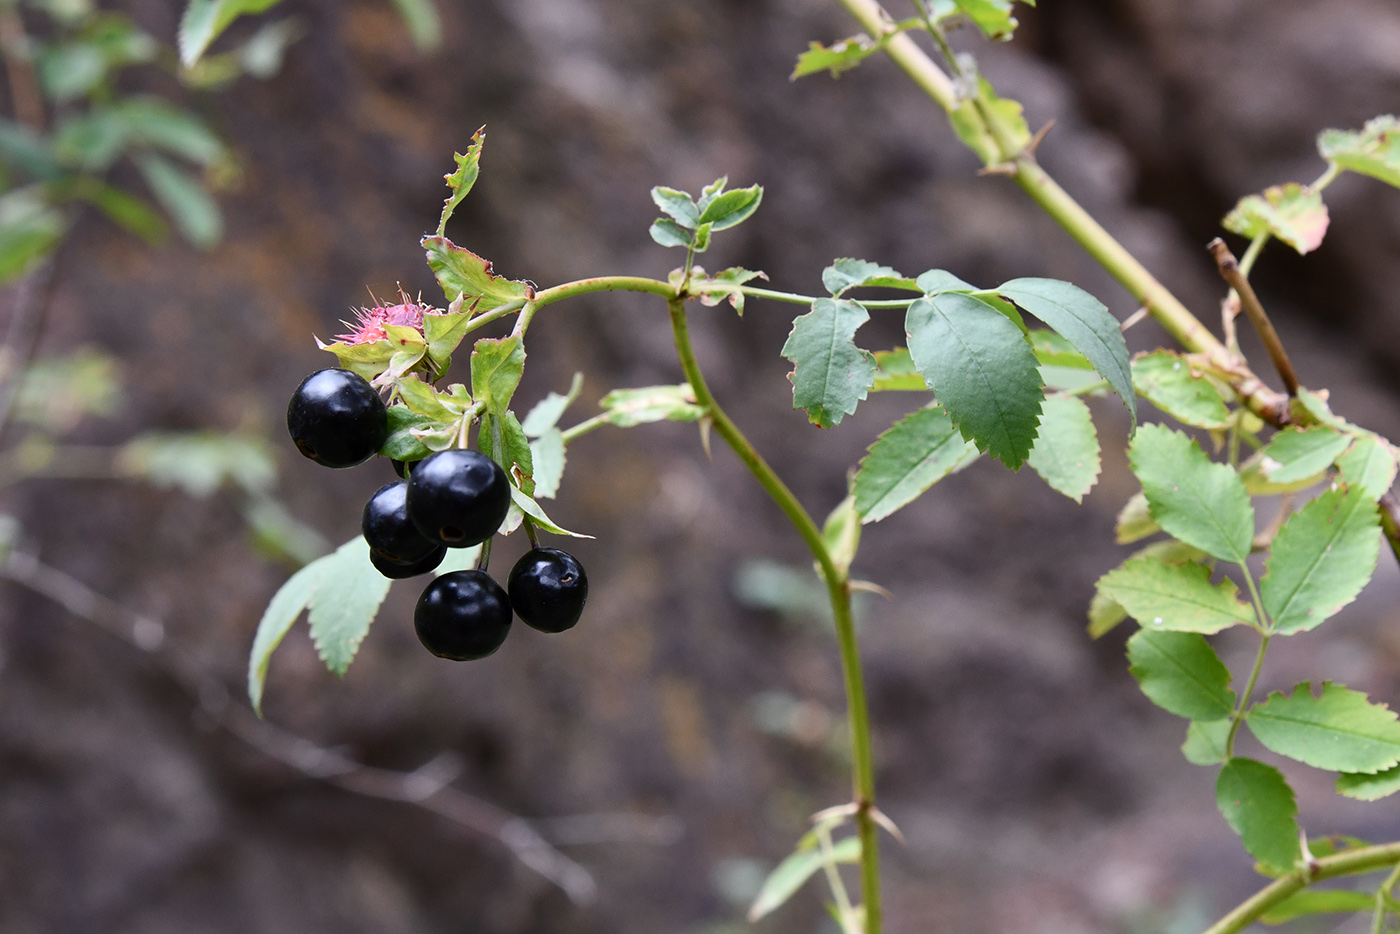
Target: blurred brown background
pixel 1039 791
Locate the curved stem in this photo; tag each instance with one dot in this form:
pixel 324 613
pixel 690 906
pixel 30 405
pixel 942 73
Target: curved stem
pixel 839 592
pixel 604 284
pixel 796 299
pixel 1352 862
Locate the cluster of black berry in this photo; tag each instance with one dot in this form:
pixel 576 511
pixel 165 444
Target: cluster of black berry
pixel 451 499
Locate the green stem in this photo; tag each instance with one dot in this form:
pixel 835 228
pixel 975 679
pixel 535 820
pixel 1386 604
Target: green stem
pixel 1350 863
pixel 604 284
pixel 1382 893
pixel 839 593
pixel 796 299
pixel 1238 717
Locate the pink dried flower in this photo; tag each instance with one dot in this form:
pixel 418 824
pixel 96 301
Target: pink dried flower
pixel 369 323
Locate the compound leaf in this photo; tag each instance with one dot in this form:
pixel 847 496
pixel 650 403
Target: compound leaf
pixel 1321 559
pixel 1257 803
pixel 1340 731
pixel 1180 672
pixel 345 602
pixel 918 451
pixel 831 375
pixel 1066 452
pixel 981 368
pixel 1085 322
pixel 462 272
pixel 1293 213
pixel 1200 502
pixel 1369 787
pixel 1373 151
pixel 1167 380
pixel 1174 597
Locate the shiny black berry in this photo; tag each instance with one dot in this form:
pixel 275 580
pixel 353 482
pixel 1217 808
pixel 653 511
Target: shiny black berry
pixel 458 498
pixel 462 615
pixel 397 572
pixel 337 419
pixel 387 529
pixel 548 589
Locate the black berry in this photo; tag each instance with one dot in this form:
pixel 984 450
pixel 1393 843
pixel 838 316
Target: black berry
pixel 548 589
pixel 387 529
pixel 462 615
pixel 397 572
pixel 337 419
pixel 458 498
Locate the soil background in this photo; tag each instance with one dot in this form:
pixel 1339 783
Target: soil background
pixel 1038 790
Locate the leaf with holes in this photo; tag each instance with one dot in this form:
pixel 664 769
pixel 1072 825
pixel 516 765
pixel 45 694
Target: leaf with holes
pixel 462 272
pixel 1293 213
pixel 982 370
pixel 831 375
pixel 1321 559
pixel 848 273
pixel 1200 502
pixel 1340 730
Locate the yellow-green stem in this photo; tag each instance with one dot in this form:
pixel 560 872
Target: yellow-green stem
pixel 839 593
pixel 1349 863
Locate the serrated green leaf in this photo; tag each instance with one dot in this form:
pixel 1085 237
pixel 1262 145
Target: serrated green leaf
pixel 282 611
pixel 532 509
pixel 731 208
pixel 368 360
pixel 918 451
pixel 982 370
pixel 1085 322
pixel 1053 350
pixel 345 602
pixel 628 407
pixel 1200 502
pixel 1296 454
pixel 461 179
pixel 443 332
pixel 1174 597
pixel 1318 902
pixel 1205 741
pixel 1257 803
pixel 935 281
pixel 195 213
pixel 1340 731
pixel 1169 382
pixel 993 17
pixel 424 24
pixel 830 373
pixel 497 365
pixel 1321 559
pixel 1369 465
pixel 424 400
pixel 1373 151
pixel 1370 787
pixel 668 233
pixel 895 372
pixel 1104 614
pixel 462 272
pixel 847 273
pixel 402 444
pixel 678 205
pixel 1292 213
pixel 1180 672
pixel 1066 452
pixel 547 412
pixel 838 57
pixel 1135 522
pixel 204 20
pixel 548 454
pixel 790 875
pixel 970 121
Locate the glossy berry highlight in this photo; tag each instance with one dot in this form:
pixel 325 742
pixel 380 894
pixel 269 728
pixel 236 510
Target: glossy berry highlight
pixel 337 419
pixel 463 615
pixel 548 589
pixel 458 498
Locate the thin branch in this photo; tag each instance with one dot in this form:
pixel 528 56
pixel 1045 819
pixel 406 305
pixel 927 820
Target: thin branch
pixel 428 787
pixel 1230 271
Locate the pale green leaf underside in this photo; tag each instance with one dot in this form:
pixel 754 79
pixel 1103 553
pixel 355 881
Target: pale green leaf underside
pixel 1299 453
pixel 1369 465
pixel 918 451
pixel 548 455
pixel 1135 522
pixel 1174 597
pixel 1321 559
pixel 1167 380
pixel 282 611
pixel 345 604
pixel 831 375
pixel 1200 502
pixel 1340 731
pixel 789 876
pixel 982 370
pixel 1257 803
pixel 1180 672
pixel 1066 452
